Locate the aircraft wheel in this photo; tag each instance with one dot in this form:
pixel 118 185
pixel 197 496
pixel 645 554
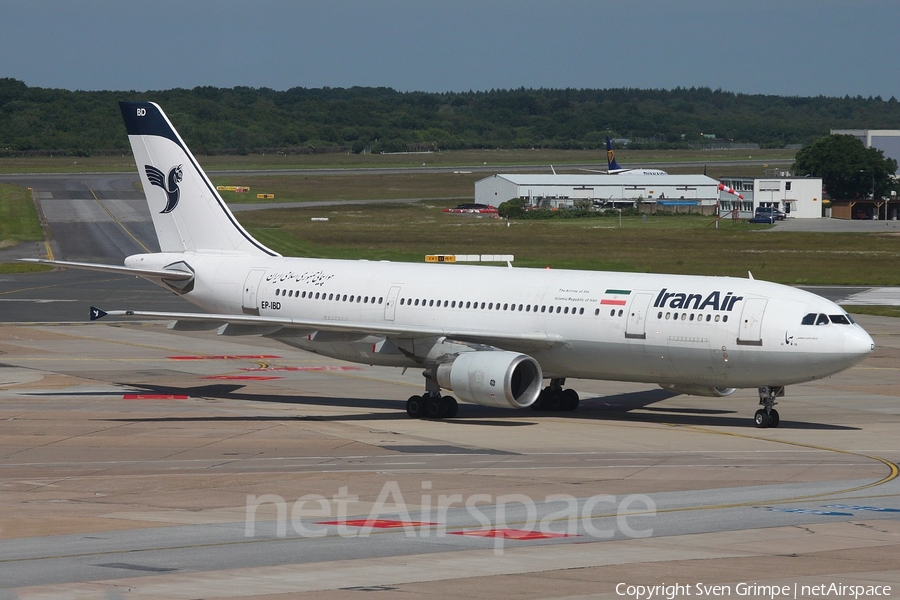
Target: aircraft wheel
pixel 415 407
pixel 761 419
pixel 452 407
pixel 435 408
pixel 774 418
pixel 570 399
pixel 542 401
pixel 557 400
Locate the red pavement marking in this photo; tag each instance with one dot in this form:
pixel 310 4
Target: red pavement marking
pixel 512 534
pixel 223 357
pixel 377 523
pixel 243 377
pixel 305 369
pixel 153 397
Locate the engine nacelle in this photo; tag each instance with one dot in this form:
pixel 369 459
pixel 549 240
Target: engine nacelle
pixel 698 390
pixel 493 378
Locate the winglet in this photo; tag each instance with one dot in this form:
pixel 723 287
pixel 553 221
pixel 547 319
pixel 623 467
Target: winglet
pixel 96 313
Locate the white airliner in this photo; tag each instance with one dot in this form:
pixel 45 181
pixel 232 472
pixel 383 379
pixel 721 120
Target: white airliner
pixel 489 334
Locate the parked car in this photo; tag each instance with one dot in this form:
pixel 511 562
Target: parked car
pixel 758 218
pixel 777 213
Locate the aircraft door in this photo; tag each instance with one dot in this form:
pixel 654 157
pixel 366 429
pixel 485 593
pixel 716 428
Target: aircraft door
pixel 750 333
pixel 635 327
pixel 390 307
pixel 250 300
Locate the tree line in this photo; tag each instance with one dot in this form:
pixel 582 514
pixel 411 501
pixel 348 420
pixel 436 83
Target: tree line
pixel 358 119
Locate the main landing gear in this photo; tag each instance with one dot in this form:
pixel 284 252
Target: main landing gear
pixel 554 397
pixel 768 416
pixel 431 405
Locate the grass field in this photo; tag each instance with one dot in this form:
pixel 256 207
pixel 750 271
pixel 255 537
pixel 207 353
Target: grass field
pixel 18 216
pixel 663 244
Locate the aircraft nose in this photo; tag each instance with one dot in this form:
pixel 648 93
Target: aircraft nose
pixel 858 344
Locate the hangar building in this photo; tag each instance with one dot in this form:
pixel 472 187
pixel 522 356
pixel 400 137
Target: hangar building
pixel 886 140
pixel 665 191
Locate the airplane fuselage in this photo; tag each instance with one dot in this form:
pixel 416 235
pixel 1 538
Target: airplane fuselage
pixel 715 332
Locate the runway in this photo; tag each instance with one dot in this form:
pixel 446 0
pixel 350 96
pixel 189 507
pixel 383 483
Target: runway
pixel 140 462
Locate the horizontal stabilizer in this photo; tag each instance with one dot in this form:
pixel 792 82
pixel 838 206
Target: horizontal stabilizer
pixel 166 274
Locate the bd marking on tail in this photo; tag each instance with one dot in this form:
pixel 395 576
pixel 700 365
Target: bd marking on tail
pixel 169 185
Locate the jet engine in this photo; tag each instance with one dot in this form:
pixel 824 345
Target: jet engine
pixel 698 390
pixel 492 378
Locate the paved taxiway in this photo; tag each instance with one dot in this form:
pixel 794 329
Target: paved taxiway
pixel 128 453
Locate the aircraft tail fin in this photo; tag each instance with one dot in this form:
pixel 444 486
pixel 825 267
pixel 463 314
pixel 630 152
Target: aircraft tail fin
pixel 188 213
pixel 611 157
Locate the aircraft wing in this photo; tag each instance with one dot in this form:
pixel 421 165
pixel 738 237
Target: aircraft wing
pixel 167 274
pixel 500 339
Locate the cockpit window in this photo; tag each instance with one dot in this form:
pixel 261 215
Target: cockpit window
pixel 822 319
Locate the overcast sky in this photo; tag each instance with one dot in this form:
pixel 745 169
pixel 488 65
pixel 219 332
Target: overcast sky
pixel 784 47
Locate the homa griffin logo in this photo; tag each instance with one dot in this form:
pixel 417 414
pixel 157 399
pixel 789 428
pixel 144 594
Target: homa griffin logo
pixel 168 184
pixel 713 301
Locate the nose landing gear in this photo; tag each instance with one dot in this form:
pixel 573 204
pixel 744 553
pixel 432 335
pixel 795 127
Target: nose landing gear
pixel 767 416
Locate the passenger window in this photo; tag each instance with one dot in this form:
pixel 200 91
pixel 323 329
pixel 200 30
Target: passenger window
pixel 822 320
pixel 839 319
pixel 809 319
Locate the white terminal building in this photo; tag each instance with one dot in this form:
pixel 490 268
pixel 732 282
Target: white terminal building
pixel 799 197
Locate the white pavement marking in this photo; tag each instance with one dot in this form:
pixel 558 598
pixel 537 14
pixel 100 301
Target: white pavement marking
pixel 885 296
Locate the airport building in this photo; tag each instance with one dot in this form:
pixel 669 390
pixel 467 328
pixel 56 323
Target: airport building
pixel 690 193
pixel 798 197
